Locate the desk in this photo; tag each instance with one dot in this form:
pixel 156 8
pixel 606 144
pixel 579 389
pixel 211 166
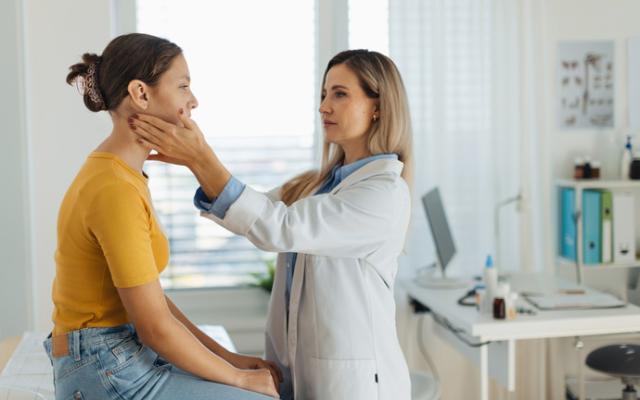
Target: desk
pixel 497 359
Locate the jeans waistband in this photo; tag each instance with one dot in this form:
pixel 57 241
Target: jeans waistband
pixel 70 343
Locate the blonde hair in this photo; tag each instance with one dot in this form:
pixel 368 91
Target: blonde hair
pixel 390 133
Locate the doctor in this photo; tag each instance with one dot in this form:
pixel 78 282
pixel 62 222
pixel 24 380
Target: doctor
pixel 339 231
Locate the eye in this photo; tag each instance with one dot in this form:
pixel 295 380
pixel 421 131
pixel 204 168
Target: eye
pixel 184 86
pixel 340 94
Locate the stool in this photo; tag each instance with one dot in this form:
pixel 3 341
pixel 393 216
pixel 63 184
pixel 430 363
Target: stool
pixel 424 386
pixel 621 361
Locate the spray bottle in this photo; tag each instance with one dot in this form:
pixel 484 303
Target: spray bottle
pixel 491 284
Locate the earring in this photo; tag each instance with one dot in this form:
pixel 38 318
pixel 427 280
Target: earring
pixel 375 118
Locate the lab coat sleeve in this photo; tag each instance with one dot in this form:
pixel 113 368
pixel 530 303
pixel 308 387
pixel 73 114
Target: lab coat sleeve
pixel 353 222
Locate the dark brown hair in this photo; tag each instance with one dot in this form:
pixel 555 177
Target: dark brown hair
pixel 127 57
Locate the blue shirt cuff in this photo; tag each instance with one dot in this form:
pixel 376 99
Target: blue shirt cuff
pixel 218 206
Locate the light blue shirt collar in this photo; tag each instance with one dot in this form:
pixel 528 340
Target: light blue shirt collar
pixel 341 172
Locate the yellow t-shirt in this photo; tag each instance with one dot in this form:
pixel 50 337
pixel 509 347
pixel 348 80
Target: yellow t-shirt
pixel 108 237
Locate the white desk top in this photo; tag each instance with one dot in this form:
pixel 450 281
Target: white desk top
pixel 545 324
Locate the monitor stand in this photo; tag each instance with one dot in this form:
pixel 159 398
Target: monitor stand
pixel 431 281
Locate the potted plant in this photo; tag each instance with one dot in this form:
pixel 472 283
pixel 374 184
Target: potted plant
pixel 264 280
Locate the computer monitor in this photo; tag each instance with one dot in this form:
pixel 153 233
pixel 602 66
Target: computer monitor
pixel 442 238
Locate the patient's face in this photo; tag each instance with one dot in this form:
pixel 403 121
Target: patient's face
pixel 172 92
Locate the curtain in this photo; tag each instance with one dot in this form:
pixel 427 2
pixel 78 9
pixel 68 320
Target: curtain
pixel 473 69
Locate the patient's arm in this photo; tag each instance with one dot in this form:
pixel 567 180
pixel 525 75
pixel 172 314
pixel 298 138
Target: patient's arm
pixel 237 360
pixel 159 329
pixel 202 337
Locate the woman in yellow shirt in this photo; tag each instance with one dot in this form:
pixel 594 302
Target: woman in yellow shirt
pixel 116 335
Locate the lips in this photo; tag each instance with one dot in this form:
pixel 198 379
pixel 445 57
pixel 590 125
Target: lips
pixel 328 123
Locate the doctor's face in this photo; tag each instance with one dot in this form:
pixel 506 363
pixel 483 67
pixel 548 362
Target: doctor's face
pixel 347 112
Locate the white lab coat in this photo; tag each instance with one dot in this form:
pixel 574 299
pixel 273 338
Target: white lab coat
pixel 340 340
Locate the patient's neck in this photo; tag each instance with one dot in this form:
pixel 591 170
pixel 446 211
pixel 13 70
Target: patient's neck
pixel 122 143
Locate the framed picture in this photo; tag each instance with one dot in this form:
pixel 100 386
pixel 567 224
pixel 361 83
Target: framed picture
pixel 585 84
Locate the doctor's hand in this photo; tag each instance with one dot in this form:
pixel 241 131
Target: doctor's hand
pixel 247 362
pixel 257 380
pixel 181 145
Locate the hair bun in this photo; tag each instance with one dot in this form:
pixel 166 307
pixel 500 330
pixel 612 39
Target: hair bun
pixel 85 76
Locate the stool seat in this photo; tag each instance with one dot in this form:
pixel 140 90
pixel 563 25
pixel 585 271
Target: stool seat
pixel 424 386
pixel 621 360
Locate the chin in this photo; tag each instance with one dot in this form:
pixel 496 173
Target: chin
pixel 331 138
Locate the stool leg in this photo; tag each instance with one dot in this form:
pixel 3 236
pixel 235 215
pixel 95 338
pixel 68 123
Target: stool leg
pixel 629 393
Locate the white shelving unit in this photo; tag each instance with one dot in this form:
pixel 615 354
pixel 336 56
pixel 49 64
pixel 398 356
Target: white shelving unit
pixel 579 186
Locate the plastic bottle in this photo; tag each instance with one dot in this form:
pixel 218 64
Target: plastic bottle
pixel 490 282
pixel 627 156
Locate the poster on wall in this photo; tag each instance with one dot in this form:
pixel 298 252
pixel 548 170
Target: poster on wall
pixel 633 80
pixel 585 84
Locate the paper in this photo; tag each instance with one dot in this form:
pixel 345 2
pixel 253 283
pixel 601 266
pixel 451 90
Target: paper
pixel 563 301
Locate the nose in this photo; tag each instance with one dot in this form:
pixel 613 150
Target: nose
pixel 324 107
pixel 194 102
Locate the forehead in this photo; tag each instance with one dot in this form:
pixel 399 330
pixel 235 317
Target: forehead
pixel 341 75
pixel 177 69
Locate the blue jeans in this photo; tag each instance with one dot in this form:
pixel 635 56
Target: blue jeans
pixel 112 363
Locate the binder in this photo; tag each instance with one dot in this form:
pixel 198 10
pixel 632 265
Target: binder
pixel 568 226
pixel 592 226
pixel 607 227
pixel 624 245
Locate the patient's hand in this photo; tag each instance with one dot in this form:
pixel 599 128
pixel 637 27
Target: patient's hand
pixel 246 362
pixel 257 380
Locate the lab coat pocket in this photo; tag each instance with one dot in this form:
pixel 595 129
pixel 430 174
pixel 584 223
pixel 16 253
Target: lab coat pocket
pixel 343 379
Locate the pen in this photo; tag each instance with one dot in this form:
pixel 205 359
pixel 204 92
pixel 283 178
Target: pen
pixel 571 291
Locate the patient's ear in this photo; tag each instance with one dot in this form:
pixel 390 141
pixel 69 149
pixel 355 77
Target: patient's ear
pixel 139 93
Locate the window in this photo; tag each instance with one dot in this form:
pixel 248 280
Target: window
pixel 369 25
pixel 253 69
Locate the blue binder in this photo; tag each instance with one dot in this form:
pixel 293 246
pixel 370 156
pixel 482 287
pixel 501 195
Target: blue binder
pixel 592 226
pixel 568 226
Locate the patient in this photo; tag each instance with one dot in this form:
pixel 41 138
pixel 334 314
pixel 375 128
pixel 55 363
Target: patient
pixel 116 334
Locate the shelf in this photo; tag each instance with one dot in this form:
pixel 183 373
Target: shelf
pixel 570 263
pixel 598 184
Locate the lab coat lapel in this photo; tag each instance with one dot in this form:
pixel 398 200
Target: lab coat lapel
pixel 296 291
pixel 370 169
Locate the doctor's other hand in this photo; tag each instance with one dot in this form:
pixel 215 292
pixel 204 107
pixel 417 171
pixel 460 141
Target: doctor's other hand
pixel 181 145
pixel 247 362
pixel 257 380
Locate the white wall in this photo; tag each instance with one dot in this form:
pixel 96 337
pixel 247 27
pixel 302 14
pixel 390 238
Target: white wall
pixel 588 20
pixel 61 130
pixel 15 290
pixel 558 20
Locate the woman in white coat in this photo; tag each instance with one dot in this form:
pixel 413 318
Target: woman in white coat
pixel 339 231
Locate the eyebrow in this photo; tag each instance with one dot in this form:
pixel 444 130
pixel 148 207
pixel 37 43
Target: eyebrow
pixel 334 87
pixel 187 77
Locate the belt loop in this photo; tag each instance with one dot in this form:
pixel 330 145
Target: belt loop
pixel 76 344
